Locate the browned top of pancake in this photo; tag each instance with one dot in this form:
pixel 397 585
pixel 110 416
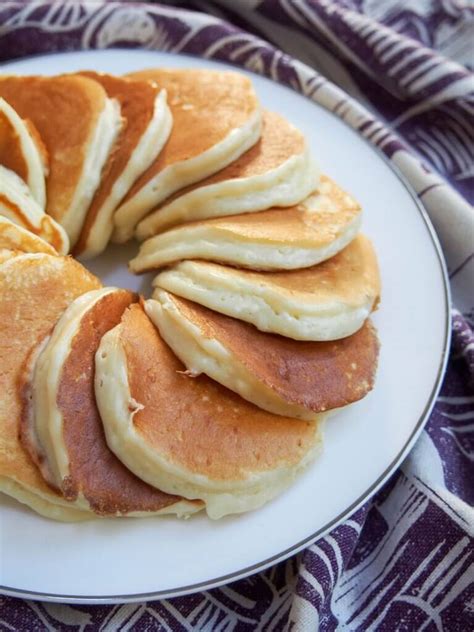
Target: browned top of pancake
pixel 206 105
pixel 94 470
pixel 17 238
pixel 11 154
pixel 343 273
pixel 137 102
pixel 279 141
pixel 317 375
pixel 34 292
pixel 197 423
pixel 64 110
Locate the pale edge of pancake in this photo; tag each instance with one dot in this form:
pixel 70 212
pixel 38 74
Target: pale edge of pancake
pixel 100 144
pixel 18 193
pixel 265 307
pixel 31 155
pixel 213 243
pixel 48 431
pixel 47 418
pixel 285 185
pixel 221 497
pixel 41 503
pixel 184 173
pixel 65 511
pixel 16 237
pixel 207 355
pixel 147 149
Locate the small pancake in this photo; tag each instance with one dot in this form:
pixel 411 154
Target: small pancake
pixel 283 376
pixel 147 125
pixel 18 205
pixel 191 436
pixel 22 151
pixel 279 239
pixel 78 125
pixel 216 118
pixel 34 291
pixel 62 427
pixel 276 171
pixel 325 302
pixel 17 238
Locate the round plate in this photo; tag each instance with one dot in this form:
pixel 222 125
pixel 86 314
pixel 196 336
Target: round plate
pixel 130 560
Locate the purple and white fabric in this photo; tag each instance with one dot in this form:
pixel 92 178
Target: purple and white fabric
pixel 399 72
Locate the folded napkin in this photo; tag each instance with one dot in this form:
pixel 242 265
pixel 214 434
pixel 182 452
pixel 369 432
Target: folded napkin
pixel 399 74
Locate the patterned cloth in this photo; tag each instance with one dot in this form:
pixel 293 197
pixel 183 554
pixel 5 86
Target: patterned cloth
pixel 399 72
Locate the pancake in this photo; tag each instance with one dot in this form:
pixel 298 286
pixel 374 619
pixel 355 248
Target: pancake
pixel 17 238
pixel 7 253
pixel 60 510
pixel 279 239
pixel 191 436
pixel 324 302
pixel 283 376
pixel 78 125
pixel 147 125
pixel 276 171
pixel 216 118
pixel 34 291
pixel 18 205
pixel 22 151
pixel 62 428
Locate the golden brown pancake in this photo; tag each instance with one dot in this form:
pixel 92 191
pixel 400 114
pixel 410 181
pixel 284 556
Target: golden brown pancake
pixel 61 423
pixel 75 121
pixel 35 289
pixel 216 118
pixel 324 302
pixel 284 376
pixel 18 205
pixel 278 239
pixel 17 238
pixel 191 435
pixel 276 171
pixel 146 127
pixel 22 151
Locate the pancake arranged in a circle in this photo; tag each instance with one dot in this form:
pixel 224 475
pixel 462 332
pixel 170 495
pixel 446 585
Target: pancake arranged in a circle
pixel 191 436
pixel 216 118
pixel 17 238
pixel 63 426
pixel 276 171
pixel 22 151
pixel 278 239
pixel 327 301
pixel 18 205
pixel 78 125
pixel 146 126
pixel 213 393
pixel 35 289
pixel 284 376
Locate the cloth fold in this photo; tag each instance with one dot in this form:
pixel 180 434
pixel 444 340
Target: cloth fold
pixel 400 74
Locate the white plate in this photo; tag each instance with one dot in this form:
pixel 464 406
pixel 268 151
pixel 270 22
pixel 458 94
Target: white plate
pixel 130 560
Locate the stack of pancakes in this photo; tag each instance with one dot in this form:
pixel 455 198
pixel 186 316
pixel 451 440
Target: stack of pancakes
pixel 212 393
